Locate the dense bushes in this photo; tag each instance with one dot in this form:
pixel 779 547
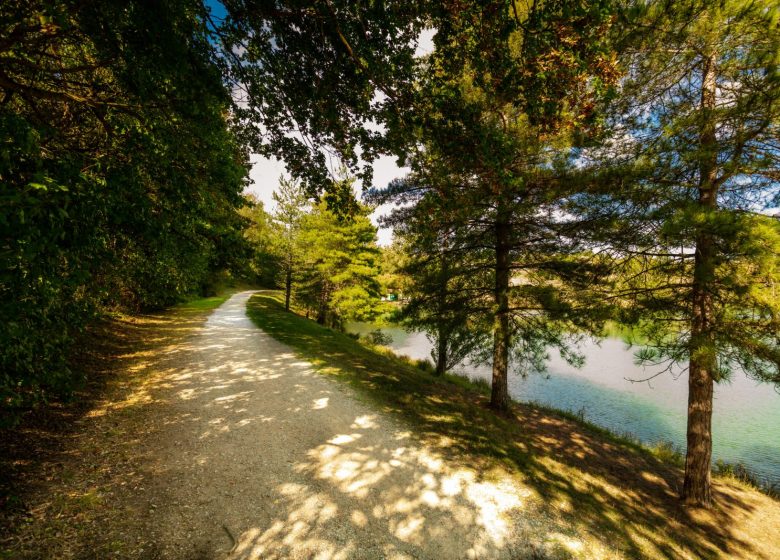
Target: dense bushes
pixel 119 174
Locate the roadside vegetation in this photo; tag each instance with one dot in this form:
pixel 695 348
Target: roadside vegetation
pixel 71 471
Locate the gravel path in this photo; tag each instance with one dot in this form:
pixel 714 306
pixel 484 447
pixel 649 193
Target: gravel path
pixel 260 457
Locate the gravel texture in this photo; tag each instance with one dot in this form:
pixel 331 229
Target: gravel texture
pixel 261 457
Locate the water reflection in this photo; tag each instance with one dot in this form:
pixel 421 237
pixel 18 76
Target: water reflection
pixel 746 422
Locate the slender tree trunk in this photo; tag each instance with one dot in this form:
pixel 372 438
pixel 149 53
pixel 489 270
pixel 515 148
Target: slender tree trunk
pixel 697 488
pixel 441 353
pixel 287 286
pixel 499 398
pixel 442 331
pixel 322 311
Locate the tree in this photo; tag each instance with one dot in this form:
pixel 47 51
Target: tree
pixel 265 261
pixel 340 264
pixel 311 75
pixel 693 162
pixel 442 295
pixel 121 174
pixel 291 206
pixel 392 278
pixel 497 108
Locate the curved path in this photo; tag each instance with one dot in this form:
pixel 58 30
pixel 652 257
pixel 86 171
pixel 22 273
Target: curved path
pixel 261 457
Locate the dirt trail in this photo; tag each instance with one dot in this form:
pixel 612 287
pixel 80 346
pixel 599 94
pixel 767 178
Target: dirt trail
pixel 211 440
pixel 260 457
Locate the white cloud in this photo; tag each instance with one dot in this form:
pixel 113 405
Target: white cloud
pixel 264 178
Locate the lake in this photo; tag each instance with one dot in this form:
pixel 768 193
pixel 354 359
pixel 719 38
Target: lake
pixel 746 418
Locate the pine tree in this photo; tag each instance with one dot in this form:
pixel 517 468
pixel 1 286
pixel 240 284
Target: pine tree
pixel 340 262
pixel 262 234
pixel 291 207
pixel 443 294
pixel 502 95
pixel 693 164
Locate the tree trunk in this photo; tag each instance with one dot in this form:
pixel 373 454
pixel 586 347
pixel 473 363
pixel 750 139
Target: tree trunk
pixel 287 287
pixel 697 488
pixel 499 397
pixel 441 353
pixel 442 331
pixel 322 308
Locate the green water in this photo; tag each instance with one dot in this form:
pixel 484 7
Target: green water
pixel 746 419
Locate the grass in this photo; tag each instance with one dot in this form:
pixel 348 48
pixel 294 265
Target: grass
pixel 204 303
pixel 599 483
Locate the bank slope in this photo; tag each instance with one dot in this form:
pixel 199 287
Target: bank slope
pixel 599 485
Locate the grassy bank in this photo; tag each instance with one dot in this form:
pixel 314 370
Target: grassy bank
pixel 598 483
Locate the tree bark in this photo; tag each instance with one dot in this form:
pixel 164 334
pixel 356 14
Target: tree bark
pixel 287 287
pixel 499 397
pixel 442 331
pixel 322 311
pixel 441 356
pixel 697 486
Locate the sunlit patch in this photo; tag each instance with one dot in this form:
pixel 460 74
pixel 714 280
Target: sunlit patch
pixel 433 464
pixel 290 489
pixel 406 528
pixel 493 501
pixel 452 484
pixel 346 469
pixel 319 404
pixel 359 518
pixel 569 544
pixel 365 422
pixel 344 439
pixel 398 452
pixel 428 480
pixel 430 498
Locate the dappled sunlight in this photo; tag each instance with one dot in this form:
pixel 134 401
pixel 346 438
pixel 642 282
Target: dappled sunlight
pixel 249 443
pixel 295 466
pixel 364 479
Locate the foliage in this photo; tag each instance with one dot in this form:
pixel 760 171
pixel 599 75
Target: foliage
pixel 292 205
pixel 340 264
pixel 497 110
pixel 265 264
pixel 694 150
pixel 444 296
pixel 120 174
pixel 310 73
pixel 659 207
pixel 392 277
pixel 378 338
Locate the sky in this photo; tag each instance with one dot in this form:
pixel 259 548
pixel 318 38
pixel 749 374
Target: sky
pixel 265 173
